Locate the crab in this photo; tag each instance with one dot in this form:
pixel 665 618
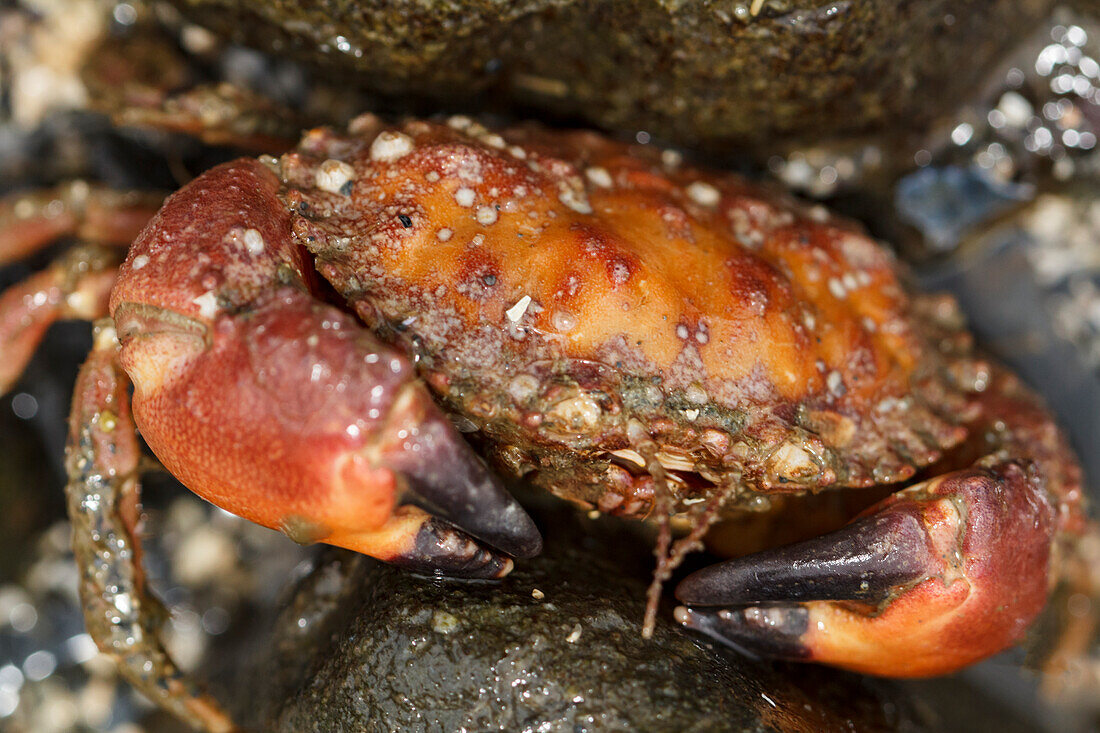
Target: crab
pixel 318 341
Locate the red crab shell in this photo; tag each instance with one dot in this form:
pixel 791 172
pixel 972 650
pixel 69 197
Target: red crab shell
pixel 555 287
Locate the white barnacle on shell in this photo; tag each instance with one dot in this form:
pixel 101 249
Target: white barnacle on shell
pixel 703 193
pixel 522 387
pixel 696 394
pixel 465 197
pixel 390 146
pixel 333 174
pixel 836 287
pixel 579 413
pixel 253 242
pixel 563 321
pixel 486 215
pixel 459 122
pixel 573 198
pixel 598 176
pixel 207 303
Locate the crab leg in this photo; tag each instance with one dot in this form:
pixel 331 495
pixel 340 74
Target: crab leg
pixel 934 577
pixel 76 285
pixel 221 114
pixel 141 81
pixel 29 222
pixel 285 410
pixel 120 613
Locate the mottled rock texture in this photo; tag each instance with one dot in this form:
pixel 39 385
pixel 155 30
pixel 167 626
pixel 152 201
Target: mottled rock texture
pixel 705 73
pixel 364 647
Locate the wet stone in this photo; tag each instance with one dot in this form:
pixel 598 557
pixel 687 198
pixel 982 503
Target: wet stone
pixel 718 74
pixel 556 646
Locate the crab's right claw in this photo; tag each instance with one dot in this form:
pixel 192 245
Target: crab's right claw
pixel 287 411
pixel 929 580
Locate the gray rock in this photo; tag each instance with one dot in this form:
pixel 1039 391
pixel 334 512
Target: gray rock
pixel 731 73
pixel 364 647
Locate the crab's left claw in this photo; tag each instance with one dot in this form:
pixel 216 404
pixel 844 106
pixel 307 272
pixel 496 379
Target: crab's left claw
pixel 929 580
pixel 285 410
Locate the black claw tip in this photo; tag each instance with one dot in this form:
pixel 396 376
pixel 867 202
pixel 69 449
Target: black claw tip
pixel 440 549
pixel 864 561
pixel 446 479
pixel 774 631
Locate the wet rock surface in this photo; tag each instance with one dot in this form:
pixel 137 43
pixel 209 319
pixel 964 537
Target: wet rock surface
pixel 556 646
pixel 757 72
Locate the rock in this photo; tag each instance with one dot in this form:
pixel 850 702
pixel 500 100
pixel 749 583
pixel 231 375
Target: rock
pixel 556 646
pixel 714 74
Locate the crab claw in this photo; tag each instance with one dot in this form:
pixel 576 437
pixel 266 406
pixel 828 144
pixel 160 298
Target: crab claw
pixel 287 411
pixel 297 419
pixel 929 580
pixel 441 475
